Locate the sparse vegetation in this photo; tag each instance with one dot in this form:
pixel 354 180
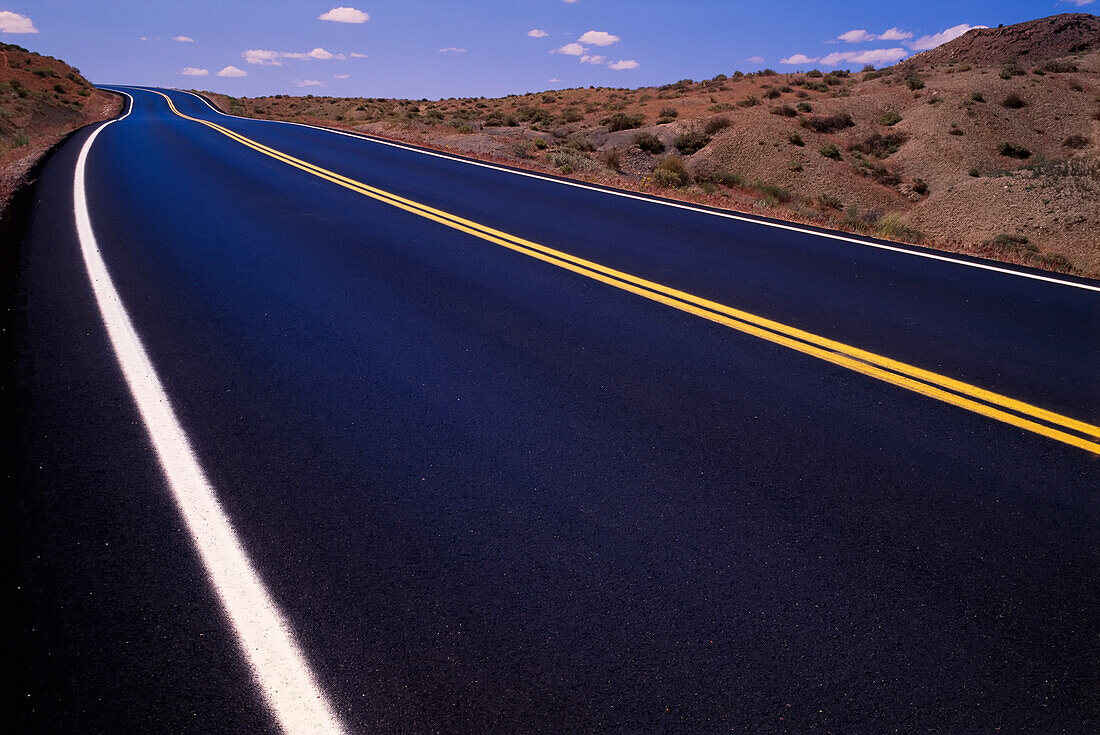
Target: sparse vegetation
pixel 878 145
pixel 1013 101
pixel 1075 142
pixel 715 125
pixel 890 117
pixel 830 150
pixel 914 82
pixel 977 97
pixel 890 226
pixel 828 201
pixel 649 143
pixel 691 142
pixel 670 172
pixel 622 121
pixel 772 193
pixel 568 160
pixel 1011 150
pixel 796 139
pixel 829 123
pixel 1059 67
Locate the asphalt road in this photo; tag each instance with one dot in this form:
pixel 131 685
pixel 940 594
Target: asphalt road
pixel 520 463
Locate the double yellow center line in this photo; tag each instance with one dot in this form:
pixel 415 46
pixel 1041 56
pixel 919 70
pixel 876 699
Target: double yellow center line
pixel 955 392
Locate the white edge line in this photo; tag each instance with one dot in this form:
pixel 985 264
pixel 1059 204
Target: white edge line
pixel 651 200
pixel 278 665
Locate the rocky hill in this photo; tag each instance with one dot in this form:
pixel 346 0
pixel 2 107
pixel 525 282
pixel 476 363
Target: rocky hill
pixel 959 148
pixel 1024 43
pixel 41 100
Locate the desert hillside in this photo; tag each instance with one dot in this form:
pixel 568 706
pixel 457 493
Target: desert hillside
pixel 41 100
pixel 987 144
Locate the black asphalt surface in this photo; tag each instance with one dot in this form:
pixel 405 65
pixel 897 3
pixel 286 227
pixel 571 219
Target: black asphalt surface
pixel 494 496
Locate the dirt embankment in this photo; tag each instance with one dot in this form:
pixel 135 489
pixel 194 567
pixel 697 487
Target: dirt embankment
pixel 948 149
pixel 42 99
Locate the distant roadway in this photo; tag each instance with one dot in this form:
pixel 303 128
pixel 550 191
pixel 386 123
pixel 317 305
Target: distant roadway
pixel 323 433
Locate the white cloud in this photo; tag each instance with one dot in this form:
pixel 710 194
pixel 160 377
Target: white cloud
pixel 570 1
pixel 798 59
pixel 308 83
pixel 857 35
pixel 345 15
pixel 452 50
pixel 190 71
pixel 232 71
pixel 948 34
pixel 870 56
pixel 267 57
pixel 340 76
pixel 183 39
pixel 622 64
pixel 598 38
pixel 1079 3
pixel 554 80
pixel 593 59
pixel 755 60
pixel 357 55
pixel 537 33
pixel 15 23
pixel 263 57
pixel 894 34
pixel 571 49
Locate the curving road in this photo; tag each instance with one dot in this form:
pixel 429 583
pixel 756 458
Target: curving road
pixel 317 432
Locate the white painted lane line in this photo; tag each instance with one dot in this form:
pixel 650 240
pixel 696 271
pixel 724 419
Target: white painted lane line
pixel 675 205
pixel 289 687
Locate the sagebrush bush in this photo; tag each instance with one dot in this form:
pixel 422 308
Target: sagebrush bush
pixel 1075 142
pixel 1013 101
pixel 1012 150
pixel 891 226
pixel 772 192
pixel 648 142
pixel 805 107
pixel 521 148
pixel 784 110
pixel 611 159
pixel 879 145
pixel 914 82
pixel 890 117
pixel 622 121
pixel 569 160
pixel 670 172
pixel 828 201
pixel 829 123
pixel 691 141
pixel 829 150
pixel 715 124
pixel 1059 67
pixel 796 139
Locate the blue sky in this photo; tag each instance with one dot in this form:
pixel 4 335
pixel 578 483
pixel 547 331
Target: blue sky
pixel 445 48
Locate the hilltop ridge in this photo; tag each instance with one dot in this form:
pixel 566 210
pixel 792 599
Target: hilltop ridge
pixel 1029 42
pixel 41 100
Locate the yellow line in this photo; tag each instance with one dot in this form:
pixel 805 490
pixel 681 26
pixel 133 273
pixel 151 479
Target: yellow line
pixel 925 382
